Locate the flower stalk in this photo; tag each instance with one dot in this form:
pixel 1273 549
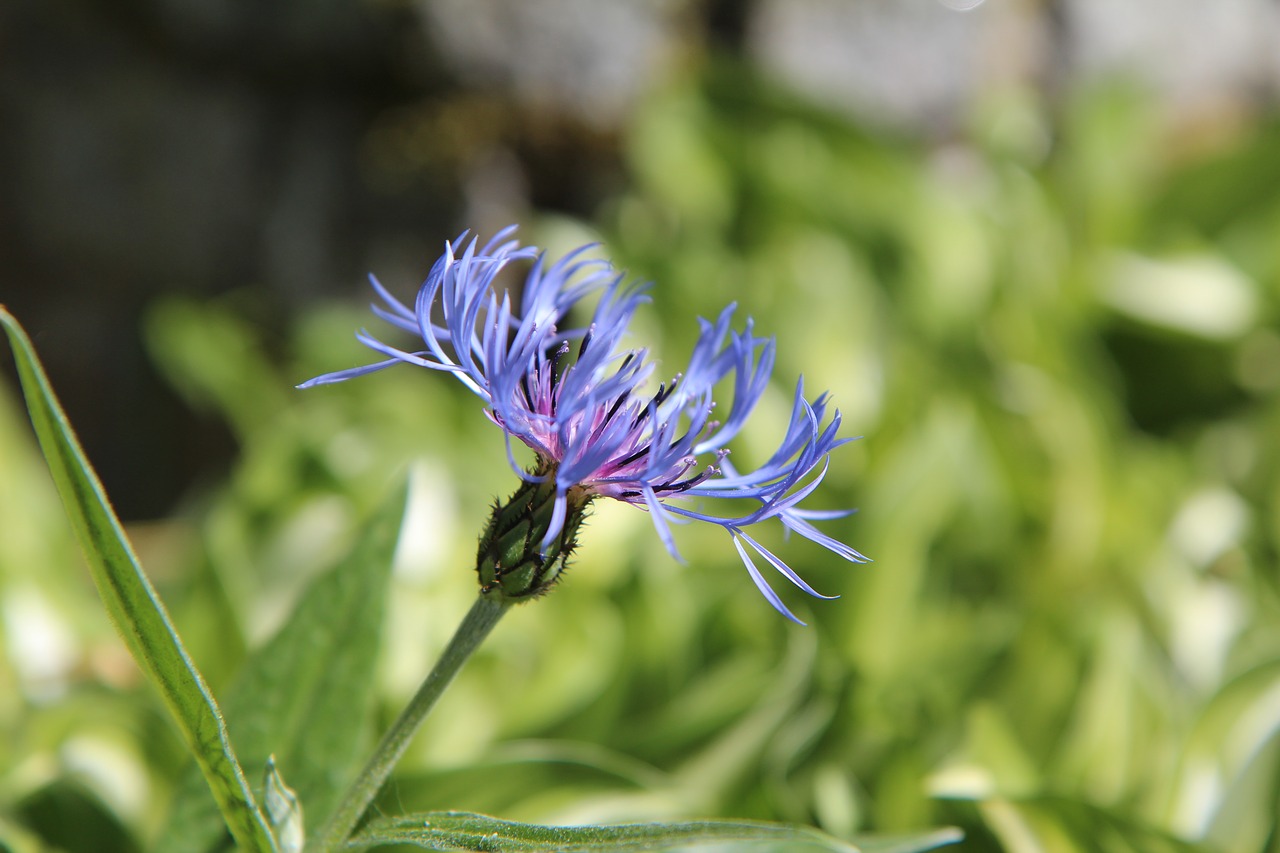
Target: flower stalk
pixel 475 627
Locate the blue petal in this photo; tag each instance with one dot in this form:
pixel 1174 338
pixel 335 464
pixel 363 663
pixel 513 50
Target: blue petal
pixel 763 585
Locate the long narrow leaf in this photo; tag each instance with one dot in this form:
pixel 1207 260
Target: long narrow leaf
pixel 915 842
pixel 306 696
pixel 133 604
pixel 454 831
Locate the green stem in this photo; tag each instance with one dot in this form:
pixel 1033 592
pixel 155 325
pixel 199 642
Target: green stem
pixel 479 621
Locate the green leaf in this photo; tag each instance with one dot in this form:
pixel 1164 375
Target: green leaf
pixel 15 838
pixel 133 604
pixel 914 843
pixel 306 697
pixel 467 831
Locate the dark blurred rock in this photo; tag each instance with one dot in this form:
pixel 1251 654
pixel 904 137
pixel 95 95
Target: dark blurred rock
pixel 187 147
pixel 1193 54
pixel 907 64
pixel 917 64
pixel 591 59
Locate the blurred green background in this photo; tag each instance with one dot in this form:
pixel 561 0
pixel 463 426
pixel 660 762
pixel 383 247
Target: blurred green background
pixel 1031 250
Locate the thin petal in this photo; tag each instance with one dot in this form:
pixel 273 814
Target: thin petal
pixel 350 373
pixel 763 585
pixel 659 515
pixel 782 567
pixel 558 513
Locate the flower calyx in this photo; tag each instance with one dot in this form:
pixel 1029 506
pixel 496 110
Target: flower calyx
pixel 513 562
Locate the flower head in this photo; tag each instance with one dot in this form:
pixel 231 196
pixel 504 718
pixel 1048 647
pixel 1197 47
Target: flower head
pixel 574 396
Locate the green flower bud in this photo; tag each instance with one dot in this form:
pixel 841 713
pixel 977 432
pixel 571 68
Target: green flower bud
pixel 511 562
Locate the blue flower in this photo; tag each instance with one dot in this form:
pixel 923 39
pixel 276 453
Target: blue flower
pixel 574 396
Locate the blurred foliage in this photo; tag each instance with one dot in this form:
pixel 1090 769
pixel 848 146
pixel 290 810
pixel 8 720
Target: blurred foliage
pixel 1057 335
